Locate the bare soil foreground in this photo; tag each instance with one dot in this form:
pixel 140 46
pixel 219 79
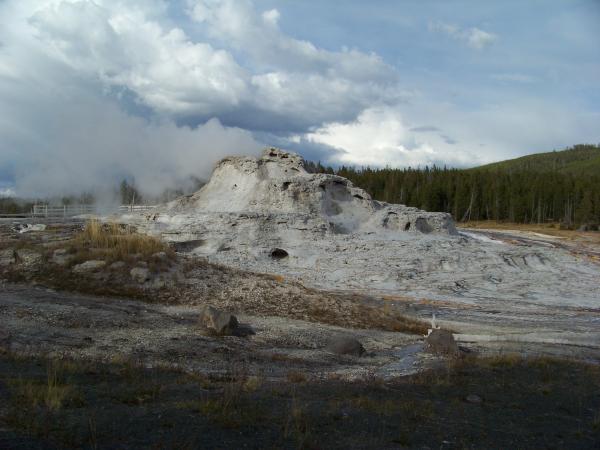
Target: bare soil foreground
pixel 101 347
pixel 486 403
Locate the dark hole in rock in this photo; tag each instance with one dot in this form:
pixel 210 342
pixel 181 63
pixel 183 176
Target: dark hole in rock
pixel 322 186
pixel 279 253
pixel 272 154
pixel 339 182
pixel 295 170
pixel 407 226
pixel 360 197
pixel 286 185
pixel 423 226
pixel 391 220
pixel 284 156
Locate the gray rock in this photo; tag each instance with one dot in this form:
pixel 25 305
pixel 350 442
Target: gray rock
pixel 27 227
pixel 140 274
pixel 27 257
pixel 441 342
pixel 217 322
pixel 345 346
pixel 60 257
pixel 7 257
pixel 474 398
pixel 89 266
pixel 117 265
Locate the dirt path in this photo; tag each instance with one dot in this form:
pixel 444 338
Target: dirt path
pixel 42 321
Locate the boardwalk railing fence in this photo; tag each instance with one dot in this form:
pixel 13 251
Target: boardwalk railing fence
pixel 47 212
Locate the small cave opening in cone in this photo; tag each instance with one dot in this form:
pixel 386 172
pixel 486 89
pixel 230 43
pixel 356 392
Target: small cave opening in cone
pixel 279 253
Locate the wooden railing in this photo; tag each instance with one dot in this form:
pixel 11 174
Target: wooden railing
pixel 69 211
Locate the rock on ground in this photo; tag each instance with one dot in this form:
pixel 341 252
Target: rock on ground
pixel 89 266
pixel 345 346
pixel 140 274
pixel 217 322
pixel 60 257
pixel 441 342
pixel 7 257
pixel 28 257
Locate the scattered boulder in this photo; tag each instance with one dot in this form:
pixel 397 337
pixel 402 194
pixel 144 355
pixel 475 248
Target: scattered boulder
pixel 28 257
pixel 441 342
pixel 588 227
pixel 89 266
pixel 217 322
pixel 27 227
pixel 344 345
pixel 60 257
pixel 117 265
pixel 160 255
pixel 474 398
pixel 7 257
pixel 140 274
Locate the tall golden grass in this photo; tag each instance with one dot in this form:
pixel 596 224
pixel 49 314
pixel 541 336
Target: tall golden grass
pixel 118 241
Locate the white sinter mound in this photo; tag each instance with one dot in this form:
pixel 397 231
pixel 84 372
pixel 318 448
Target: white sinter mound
pixel 270 215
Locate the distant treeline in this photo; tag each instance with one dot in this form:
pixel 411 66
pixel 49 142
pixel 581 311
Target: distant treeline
pixel 127 193
pixel 515 193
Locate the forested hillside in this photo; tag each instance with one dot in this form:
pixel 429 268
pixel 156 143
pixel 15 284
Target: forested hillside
pixel 580 159
pixel 549 187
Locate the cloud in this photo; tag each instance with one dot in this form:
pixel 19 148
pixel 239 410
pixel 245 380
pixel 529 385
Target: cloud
pixel 473 37
pixel 93 90
pixel 7 192
pixel 130 47
pixel 124 47
pixel 293 79
pixel 93 144
pixel 64 128
pixel 509 128
pixel 425 128
pixel 379 137
pixel 448 140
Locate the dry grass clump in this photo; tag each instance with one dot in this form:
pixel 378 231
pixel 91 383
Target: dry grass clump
pixel 51 394
pixel 118 242
pixel 367 317
pixel 298 424
pixel 294 376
